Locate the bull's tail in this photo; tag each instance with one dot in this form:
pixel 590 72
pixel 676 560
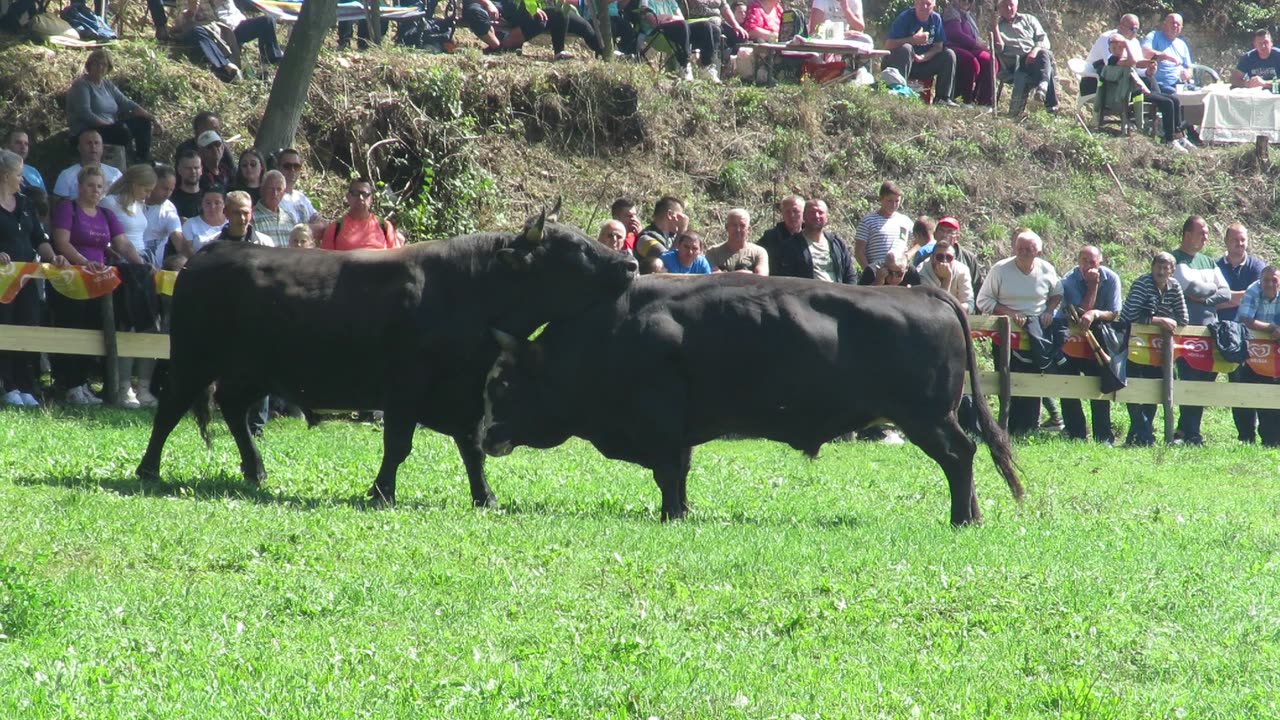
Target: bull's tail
pixel 996 438
pixel 203 410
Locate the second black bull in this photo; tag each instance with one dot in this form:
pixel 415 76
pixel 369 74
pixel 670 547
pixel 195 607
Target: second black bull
pixel 406 331
pixel 823 360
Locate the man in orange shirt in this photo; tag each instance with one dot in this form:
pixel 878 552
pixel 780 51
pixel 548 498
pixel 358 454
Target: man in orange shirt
pixel 359 229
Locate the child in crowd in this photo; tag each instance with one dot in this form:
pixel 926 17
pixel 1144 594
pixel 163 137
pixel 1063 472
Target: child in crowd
pixel 300 236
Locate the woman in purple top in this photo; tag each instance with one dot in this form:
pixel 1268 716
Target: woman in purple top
pixel 974 63
pixel 82 231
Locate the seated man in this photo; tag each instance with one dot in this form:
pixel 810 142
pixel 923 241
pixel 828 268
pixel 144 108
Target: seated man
pixel 239 227
pixel 667 17
pixel 164 225
pixel 213 175
pixel 948 229
pixel 659 236
pixel 687 257
pixel 624 211
pixel 1260 312
pixel 1260 67
pixel 916 49
pixel 736 254
pixel 941 269
pixel 201 14
pixel 186 197
pixel 814 253
pixel 1170 53
pixel 1022 47
pixel 1101 50
pixel 848 12
pixel 289 162
pixel 480 17
pixel 792 222
pixel 1121 54
pixel 203 122
pixel 270 218
pixel 1091 291
pixel 531 18
pixel 89 148
pixel 19 144
pixel 1024 287
pixel 895 270
pixel 359 228
pixel 1155 299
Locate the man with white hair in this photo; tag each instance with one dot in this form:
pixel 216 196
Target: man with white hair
pixel 270 217
pixel 736 254
pixel 895 269
pixel 1026 288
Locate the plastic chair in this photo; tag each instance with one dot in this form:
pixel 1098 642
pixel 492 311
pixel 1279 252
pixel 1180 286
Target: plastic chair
pixel 1080 69
pixel 1203 75
pixel 659 44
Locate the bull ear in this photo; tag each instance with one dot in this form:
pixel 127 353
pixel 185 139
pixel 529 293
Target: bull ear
pixel 509 344
pixel 518 261
pixel 553 215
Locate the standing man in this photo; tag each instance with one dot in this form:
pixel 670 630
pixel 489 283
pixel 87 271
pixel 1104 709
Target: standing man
pixel 270 218
pixel 1093 290
pixel 736 254
pixel 1205 289
pixel 295 201
pixel 164 226
pixel 359 229
pixel 214 176
pixel 813 252
pixel 1026 288
pixel 660 235
pixel 916 50
pixel 1260 312
pixel 20 144
pixel 883 230
pixel 1240 270
pixel 1154 299
pixel 792 222
pixel 203 121
pixel 1260 66
pixel 1171 54
pixel 1022 47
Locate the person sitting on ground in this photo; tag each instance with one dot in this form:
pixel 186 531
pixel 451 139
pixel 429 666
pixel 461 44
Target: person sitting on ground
pixel 884 229
pixel 666 17
pixel 895 270
pixel 1024 287
pixel 534 17
pixel 1241 270
pixel 736 254
pixel 289 162
pixel 82 232
pixel 763 20
pixel 1170 53
pixel 975 65
pixel 1155 299
pixel 203 122
pixel 792 222
pixel 1260 67
pixel 1092 291
pixel 1260 312
pixel 270 218
pixel 359 228
pixel 19 143
pixel 300 237
pixel 249 173
pixel 481 17
pixel 687 257
pixel 89 148
pixel 814 252
pixel 941 269
pixel 164 225
pixel 94 102
pixel 1121 54
pixel 848 12
pixel 613 235
pixel 22 240
pixel 659 235
pixel 201 14
pixel 921 235
pixel 239 227
pixel 1022 49
pixel 917 49
pixel 1205 289
pixel 624 211
pixel 127 200
pixel 201 229
pixel 187 195
pixel 214 175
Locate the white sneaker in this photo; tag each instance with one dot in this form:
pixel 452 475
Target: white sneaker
pixel 30 400
pixel 127 399
pixel 14 398
pixel 1186 144
pixel 687 73
pixel 892 437
pixel 713 73
pixel 1177 145
pixel 145 398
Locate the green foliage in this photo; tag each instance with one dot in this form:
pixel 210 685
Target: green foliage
pixel 25 602
pixel 448 204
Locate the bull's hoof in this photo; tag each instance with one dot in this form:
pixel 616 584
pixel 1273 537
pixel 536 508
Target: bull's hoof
pixel 673 516
pixel 379 497
pixel 490 502
pixel 255 478
pixel 147 474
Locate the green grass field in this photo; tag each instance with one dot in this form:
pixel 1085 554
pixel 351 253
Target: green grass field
pixel 1130 584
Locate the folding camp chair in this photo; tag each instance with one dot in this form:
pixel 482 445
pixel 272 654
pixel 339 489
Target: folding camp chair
pixel 1118 95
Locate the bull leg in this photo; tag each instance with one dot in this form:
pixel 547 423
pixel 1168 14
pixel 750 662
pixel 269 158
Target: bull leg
pixel 951 448
pixel 174 403
pixel 397 443
pixel 235 404
pixel 473 460
pixel 672 474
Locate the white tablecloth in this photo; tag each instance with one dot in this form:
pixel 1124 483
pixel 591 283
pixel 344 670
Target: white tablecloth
pixel 1239 116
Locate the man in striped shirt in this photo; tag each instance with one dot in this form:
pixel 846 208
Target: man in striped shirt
pixel 1260 312
pixel 883 230
pixel 1155 299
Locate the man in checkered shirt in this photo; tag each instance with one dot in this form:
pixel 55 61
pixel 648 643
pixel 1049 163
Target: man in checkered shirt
pixel 1260 312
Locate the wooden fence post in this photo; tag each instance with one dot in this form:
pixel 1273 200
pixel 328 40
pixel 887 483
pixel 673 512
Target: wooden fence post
pixel 1261 152
pixel 1166 384
pixel 1006 379
pixel 111 354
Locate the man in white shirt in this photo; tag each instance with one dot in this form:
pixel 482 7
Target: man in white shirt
pixel 289 162
pixel 1128 29
pixel 67 186
pixel 164 226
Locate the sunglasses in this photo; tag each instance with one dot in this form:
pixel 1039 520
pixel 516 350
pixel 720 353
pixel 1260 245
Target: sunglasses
pixel 359 193
pixel 896 273
pixel 944 258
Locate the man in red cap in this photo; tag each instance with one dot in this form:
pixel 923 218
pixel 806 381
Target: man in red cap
pixel 948 228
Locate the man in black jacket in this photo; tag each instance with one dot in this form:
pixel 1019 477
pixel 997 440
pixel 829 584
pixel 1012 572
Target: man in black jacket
pixel 814 252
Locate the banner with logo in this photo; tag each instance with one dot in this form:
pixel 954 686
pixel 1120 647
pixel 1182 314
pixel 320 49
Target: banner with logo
pixel 75 282
pixel 1264 357
pixel 1146 347
pixel 1019 340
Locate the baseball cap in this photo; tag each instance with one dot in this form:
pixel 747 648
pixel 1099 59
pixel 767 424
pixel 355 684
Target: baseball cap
pixel 207 138
pixel 950 222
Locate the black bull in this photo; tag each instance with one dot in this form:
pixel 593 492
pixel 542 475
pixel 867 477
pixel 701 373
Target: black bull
pixel 405 330
pixel 675 362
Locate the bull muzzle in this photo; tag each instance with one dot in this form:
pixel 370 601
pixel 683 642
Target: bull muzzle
pixel 494 441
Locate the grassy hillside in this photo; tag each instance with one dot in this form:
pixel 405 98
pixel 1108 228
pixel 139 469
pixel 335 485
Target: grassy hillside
pixel 462 141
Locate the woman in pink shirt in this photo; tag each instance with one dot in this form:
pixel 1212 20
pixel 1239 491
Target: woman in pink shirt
pixel 359 229
pixel 764 20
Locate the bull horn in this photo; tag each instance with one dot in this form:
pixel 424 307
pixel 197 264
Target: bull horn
pixel 534 234
pixel 508 343
pixel 554 213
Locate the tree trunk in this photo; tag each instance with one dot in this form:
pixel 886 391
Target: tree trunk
pixel 293 77
pixel 373 15
pixel 605 28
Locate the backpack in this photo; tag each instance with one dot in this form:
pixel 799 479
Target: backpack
pixel 430 34
pixel 90 26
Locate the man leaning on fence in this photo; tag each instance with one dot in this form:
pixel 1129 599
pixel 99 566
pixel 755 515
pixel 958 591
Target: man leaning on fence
pixel 1240 270
pixel 1090 293
pixel 1155 299
pixel 1260 312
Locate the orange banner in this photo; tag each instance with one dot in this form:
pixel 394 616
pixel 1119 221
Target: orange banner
pixel 13 276
pixel 1264 357
pixel 1147 348
pixel 1018 339
pixel 75 282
